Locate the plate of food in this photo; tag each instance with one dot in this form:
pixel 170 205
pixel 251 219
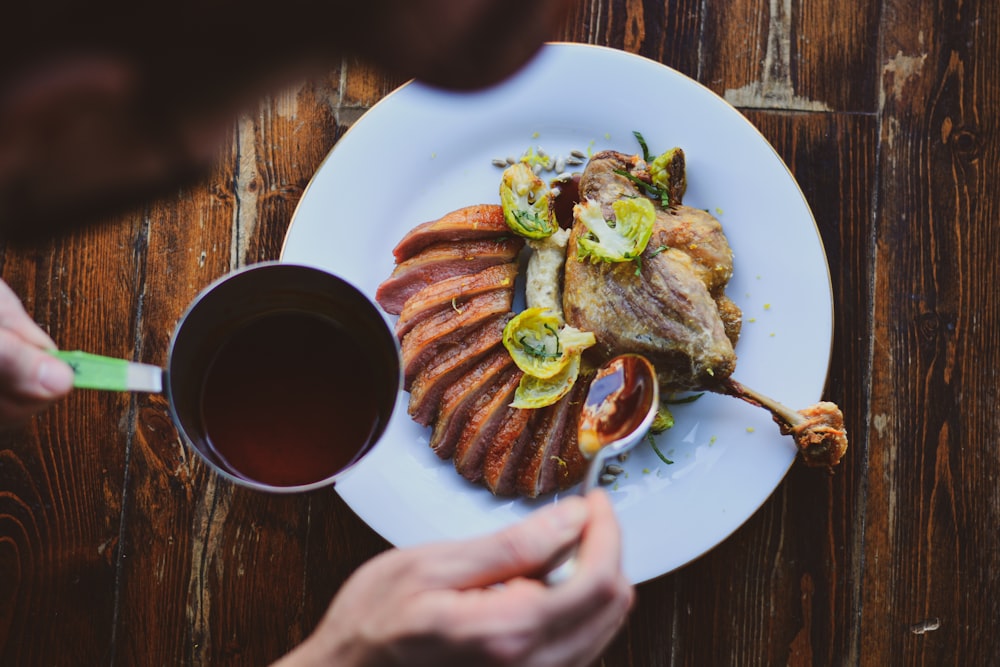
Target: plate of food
pixel 398 195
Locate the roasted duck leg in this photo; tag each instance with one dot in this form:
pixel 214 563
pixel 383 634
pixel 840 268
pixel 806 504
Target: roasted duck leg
pixel 671 305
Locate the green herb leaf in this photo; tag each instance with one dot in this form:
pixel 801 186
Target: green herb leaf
pixel 642 144
pixel 651 190
pixel 652 443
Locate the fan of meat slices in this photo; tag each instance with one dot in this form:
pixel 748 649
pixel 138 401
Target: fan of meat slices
pixel 453 290
pixel 634 270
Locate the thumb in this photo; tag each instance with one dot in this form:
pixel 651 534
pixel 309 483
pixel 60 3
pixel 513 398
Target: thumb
pixel 525 549
pixel 29 373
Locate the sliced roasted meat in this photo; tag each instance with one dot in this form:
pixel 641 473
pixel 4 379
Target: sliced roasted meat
pixel 438 374
pixel 570 466
pixel 551 425
pixel 442 261
pixel 465 224
pixel 453 293
pixel 488 412
pixel 434 334
pixel 504 455
pixel 457 400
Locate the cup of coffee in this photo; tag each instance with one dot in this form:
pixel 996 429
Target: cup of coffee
pixel 280 376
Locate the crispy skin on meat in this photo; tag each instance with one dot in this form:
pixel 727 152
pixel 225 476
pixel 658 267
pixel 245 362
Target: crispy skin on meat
pixel 552 425
pixel 432 335
pixel 457 400
pixel 452 293
pixel 667 312
pixel 571 465
pixel 465 224
pixel 542 458
pixel 488 413
pixel 432 380
pixel 439 262
pixel 732 317
pixel 506 451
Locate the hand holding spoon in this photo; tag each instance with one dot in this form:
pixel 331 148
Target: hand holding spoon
pixel 620 406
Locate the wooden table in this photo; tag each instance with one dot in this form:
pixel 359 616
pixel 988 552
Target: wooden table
pixel 118 547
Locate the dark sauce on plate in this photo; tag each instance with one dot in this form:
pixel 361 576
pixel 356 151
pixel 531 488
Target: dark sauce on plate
pixel 568 197
pixel 288 400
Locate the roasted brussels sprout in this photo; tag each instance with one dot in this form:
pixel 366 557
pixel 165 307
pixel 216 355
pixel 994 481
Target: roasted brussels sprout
pixel 663 420
pixel 620 240
pixel 533 392
pixel 525 200
pixel 539 346
pixel 669 175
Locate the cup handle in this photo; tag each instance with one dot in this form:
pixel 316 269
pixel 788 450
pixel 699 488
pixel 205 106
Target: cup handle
pixel 92 371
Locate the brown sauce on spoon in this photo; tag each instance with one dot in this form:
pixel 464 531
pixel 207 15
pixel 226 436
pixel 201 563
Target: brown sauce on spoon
pixel 616 403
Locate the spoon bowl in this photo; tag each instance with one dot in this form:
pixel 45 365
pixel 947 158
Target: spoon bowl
pixel 618 411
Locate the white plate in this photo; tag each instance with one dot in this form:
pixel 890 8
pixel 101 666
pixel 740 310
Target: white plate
pixel 421 152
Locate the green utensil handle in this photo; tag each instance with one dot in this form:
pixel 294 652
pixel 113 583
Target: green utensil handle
pixel 93 371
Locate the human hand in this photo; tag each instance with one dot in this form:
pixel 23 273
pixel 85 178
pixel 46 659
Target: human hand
pixel 480 601
pixel 30 378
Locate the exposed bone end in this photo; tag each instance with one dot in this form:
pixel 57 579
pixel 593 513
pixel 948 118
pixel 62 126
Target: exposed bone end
pixel 817 430
pixel 820 435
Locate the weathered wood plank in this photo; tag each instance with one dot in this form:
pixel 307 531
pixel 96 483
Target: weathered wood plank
pixel 665 32
pixel 788 54
pixel 931 553
pixel 61 475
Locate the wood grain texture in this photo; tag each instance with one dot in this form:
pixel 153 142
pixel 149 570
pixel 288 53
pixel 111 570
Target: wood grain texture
pixel 930 551
pixel 118 546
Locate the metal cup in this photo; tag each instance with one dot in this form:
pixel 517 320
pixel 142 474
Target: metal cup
pixel 239 298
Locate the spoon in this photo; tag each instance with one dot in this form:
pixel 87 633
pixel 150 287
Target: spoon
pixel 617 412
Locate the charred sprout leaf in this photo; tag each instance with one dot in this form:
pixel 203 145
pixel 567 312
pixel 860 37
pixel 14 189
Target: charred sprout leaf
pixel 535 392
pixel 663 420
pixel 620 240
pixel 539 346
pixel 669 175
pixel 525 200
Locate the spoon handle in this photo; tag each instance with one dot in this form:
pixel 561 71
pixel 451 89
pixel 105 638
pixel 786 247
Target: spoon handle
pixel 92 371
pixel 565 569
